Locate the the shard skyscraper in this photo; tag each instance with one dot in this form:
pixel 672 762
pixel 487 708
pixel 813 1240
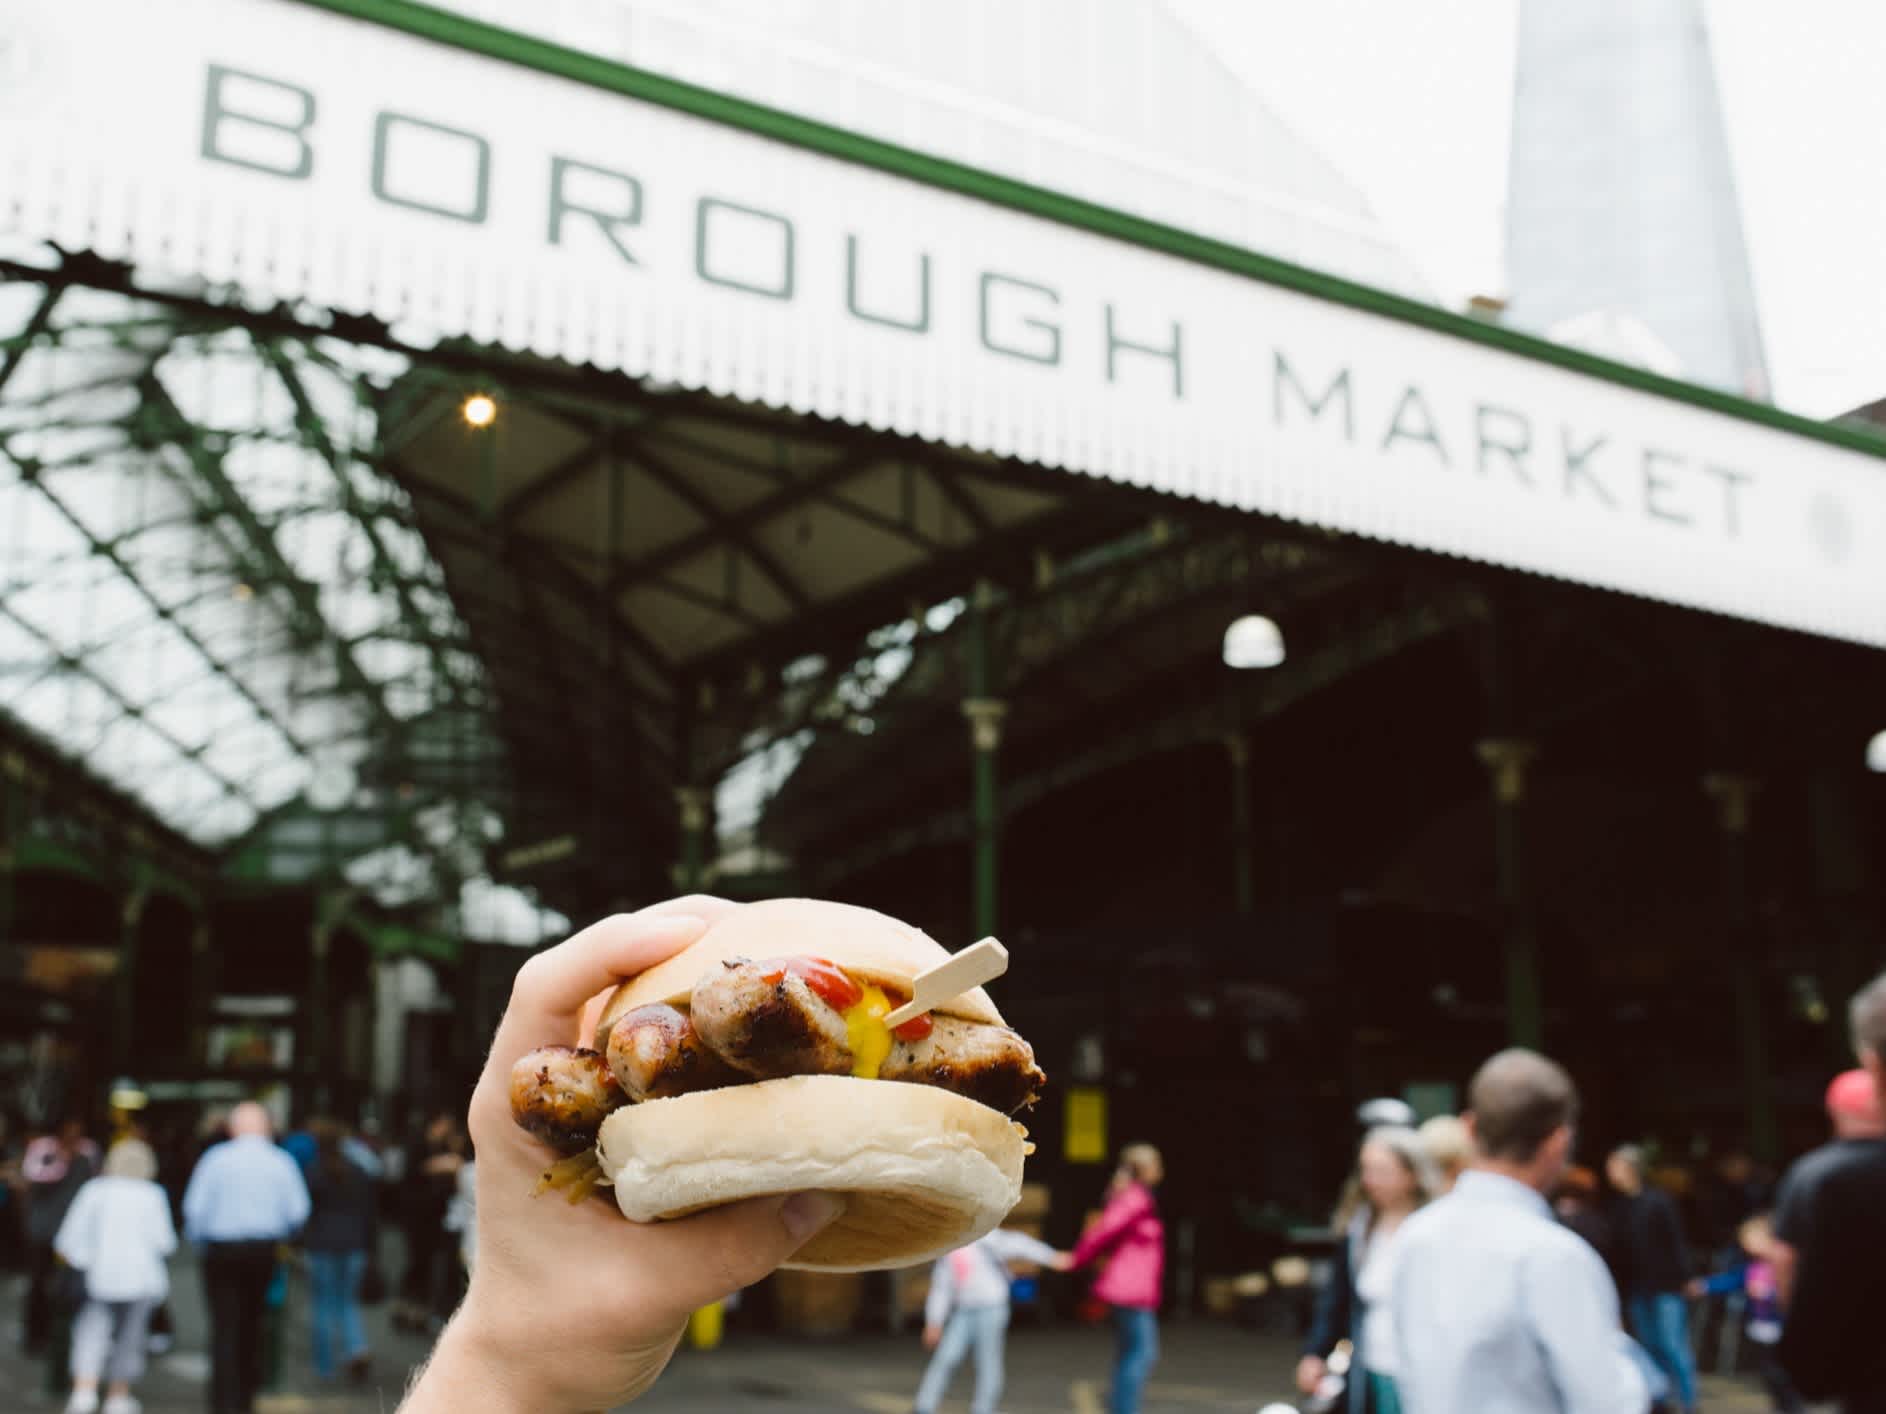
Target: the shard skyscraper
pixel 1623 234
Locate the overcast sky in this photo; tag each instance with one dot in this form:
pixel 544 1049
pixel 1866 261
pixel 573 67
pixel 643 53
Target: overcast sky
pixel 1413 103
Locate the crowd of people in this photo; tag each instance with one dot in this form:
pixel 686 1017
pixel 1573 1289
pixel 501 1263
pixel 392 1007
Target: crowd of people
pixel 1477 1269
pixel 1518 1285
pixel 93 1228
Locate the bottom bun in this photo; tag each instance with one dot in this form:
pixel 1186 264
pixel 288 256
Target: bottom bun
pixel 922 1170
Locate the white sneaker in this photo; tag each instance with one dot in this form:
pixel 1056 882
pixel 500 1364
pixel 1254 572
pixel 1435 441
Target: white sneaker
pixel 122 1404
pixel 82 1402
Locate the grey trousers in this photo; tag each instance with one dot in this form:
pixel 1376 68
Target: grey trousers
pixel 108 1340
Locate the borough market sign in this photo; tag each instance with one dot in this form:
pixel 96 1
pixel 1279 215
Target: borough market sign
pixel 308 156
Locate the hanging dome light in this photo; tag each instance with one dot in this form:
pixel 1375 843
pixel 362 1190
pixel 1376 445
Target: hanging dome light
pixel 1253 642
pixel 1876 753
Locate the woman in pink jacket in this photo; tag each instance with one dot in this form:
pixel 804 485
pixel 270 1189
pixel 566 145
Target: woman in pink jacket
pixel 1131 1235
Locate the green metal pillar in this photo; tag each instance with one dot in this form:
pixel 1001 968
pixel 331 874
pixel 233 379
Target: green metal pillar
pixel 329 911
pixel 985 713
pixel 124 994
pixel 1851 948
pixel 1506 760
pixel 202 988
pixel 1734 797
pixel 1238 748
pixel 12 826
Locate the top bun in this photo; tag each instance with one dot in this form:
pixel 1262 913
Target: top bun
pixel 870 946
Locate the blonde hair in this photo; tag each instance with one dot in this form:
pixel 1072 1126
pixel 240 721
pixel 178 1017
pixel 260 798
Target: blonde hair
pixel 1448 1142
pixel 1144 1163
pixel 1406 1146
pixel 131 1158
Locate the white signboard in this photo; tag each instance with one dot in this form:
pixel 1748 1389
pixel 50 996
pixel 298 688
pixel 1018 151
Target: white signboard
pixel 313 157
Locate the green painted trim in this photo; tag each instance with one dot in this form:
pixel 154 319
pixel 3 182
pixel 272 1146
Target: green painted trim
pixel 496 42
pixel 32 855
pixel 395 940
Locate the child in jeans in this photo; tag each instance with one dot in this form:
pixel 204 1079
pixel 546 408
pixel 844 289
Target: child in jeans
pixel 969 1307
pixel 1755 1278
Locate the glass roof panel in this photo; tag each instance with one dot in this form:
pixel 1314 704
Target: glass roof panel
pixel 187 594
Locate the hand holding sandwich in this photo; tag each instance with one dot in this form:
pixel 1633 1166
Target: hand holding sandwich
pixel 570 1308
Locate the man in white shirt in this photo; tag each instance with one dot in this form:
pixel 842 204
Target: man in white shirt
pixel 968 1306
pixel 1498 1308
pixel 245 1198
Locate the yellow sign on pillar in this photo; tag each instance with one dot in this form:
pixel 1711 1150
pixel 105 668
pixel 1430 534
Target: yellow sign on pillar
pixel 1086 1133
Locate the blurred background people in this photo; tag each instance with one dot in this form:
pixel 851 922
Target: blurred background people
pixel 1450 1149
pixel 117 1237
pixel 246 1198
pixel 1830 1342
pixel 1132 1237
pixel 1855 1117
pixel 1753 1278
pixel 968 1308
pixel 1656 1265
pixel 430 1283
pixel 1576 1203
pixel 1395 1177
pixel 52 1169
pixel 339 1235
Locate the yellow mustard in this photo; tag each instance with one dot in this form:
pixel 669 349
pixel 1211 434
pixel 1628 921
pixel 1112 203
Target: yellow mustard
pixel 870 1038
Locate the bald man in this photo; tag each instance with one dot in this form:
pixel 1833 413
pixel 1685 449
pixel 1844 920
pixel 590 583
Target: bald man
pixel 1496 1307
pixel 245 1199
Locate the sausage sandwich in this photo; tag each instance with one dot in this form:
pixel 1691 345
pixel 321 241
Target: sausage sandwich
pixel 757 1062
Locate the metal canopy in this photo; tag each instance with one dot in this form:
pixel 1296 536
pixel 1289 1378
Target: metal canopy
pixel 267 579
pixel 215 601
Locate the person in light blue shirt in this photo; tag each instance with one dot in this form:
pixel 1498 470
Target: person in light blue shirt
pixel 1497 1308
pixel 246 1197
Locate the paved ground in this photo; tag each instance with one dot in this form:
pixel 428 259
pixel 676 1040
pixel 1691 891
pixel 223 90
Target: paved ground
pixel 1208 1368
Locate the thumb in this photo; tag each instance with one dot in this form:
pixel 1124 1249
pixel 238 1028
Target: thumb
pixel 713 1254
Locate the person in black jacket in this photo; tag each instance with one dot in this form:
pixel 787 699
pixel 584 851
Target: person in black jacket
pixel 339 1235
pixel 1830 1342
pixel 1656 1265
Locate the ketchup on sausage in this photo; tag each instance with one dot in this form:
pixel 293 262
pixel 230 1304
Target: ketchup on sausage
pixel 824 978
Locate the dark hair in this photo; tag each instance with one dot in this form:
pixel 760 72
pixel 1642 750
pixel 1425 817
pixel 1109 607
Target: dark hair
pixel 1868 1014
pixel 330 1158
pixel 1519 1100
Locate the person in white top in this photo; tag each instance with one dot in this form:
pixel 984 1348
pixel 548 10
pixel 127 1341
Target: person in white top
pixel 1394 1177
pixel 118 1234
pixel 969 1305
pixel 1497 1307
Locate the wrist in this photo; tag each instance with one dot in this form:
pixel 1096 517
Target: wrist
pixel 468 1370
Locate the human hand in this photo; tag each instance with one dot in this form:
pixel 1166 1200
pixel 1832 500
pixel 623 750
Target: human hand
pixel 932 1337
pixel 1064 1261
pixel 1310 1372
pixel 1695 1290
pixel 572 1307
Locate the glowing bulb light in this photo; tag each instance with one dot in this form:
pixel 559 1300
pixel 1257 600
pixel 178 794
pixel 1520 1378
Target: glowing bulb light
pixel 480 410
pixel 1253 642
pixel 1876 754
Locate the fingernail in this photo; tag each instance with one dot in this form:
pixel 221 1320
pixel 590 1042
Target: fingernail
pixel 805 1214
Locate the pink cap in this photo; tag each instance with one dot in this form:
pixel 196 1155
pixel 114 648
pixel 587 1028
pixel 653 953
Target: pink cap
pixel 1853 1094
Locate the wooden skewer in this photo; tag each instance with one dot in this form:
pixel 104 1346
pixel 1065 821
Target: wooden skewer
pixel 983 962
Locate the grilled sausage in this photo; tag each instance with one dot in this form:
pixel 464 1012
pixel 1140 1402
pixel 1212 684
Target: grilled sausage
pixel 767 1023
pixel 656 1055
pixel 988 1064
pixel 561 1094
